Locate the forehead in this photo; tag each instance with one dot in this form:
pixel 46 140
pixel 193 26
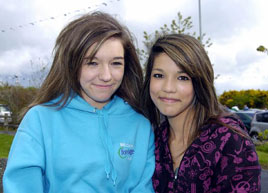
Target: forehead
pixel 165 63
pixel 112 46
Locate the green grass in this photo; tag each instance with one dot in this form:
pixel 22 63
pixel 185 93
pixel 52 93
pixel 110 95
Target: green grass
pixel 262 151
pixel 263 159
pixel 5 143
pixel 263 147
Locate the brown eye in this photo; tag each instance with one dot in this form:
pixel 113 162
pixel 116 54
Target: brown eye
pixel 183 78
pixel 157 75
pixel 117 63
pixel 92 63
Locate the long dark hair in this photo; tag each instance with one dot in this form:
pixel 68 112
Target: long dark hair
pixel 191 57
pixel 70 48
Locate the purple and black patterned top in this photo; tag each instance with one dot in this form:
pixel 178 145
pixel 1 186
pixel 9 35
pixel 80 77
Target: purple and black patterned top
pixel 219 160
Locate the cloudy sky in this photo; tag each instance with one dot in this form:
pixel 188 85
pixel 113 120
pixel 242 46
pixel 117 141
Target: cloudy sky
pixel 28 30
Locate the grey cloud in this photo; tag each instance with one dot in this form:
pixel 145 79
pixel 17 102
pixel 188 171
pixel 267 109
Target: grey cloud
pixel 223 19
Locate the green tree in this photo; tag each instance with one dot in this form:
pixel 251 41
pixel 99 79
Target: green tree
pixel 17 98
pixel 261 48
pixel 251 98
pixel 179 25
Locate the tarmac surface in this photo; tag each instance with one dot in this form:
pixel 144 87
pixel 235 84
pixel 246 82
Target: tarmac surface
pixel 264 181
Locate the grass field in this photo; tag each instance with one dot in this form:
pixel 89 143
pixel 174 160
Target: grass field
pixel 5 143
pixel 262 151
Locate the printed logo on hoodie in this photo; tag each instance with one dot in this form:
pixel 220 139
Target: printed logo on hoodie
pixel 126 151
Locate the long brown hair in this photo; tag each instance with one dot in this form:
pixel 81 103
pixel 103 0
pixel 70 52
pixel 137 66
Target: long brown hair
pixel 191 57
pixel 70 48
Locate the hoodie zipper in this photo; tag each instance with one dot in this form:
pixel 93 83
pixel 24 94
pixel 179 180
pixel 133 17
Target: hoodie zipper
pixel 176 174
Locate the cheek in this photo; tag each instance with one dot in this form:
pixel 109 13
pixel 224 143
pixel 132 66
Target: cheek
pixel 121 74
pixel 187 91
pixel 154 88
pixel 87 75
pixel 118 74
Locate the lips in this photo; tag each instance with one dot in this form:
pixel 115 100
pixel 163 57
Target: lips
pixel 169 100
pixel 103 86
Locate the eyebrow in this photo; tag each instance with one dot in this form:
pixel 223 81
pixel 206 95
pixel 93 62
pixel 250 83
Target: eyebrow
pixel 161 70
pixel 114 58
pixel 119 58
pixel 157 69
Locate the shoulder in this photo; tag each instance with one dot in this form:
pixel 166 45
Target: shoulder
pixel 34 115
pixel 225 135
pixel 224 126
pixel 41 109
pixel 232 130
pixel 119 107
pixel 56 105
pixel 38 112
pixel 228 147
pixel 230 139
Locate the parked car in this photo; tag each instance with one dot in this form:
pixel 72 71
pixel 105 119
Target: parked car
pixel 246 118
pixel 5 113
pixel 259 123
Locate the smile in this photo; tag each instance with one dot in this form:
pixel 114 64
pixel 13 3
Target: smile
pixel 168 100
pixel 102 86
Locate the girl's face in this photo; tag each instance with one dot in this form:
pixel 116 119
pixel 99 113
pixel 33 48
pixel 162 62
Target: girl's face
pixel 171 89
pixel 101 77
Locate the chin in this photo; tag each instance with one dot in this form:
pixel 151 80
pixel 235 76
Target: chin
pixel 169 114
pixel 103 100
pixel 173 113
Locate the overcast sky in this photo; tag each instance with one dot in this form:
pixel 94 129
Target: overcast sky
pixel 28 30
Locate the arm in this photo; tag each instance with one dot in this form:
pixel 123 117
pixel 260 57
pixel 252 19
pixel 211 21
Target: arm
pixel 145 184
pixel 25 168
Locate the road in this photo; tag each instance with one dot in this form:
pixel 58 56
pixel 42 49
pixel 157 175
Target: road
pixel 264 181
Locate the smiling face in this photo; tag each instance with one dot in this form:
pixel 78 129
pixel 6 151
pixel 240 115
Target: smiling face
pixel 102 76
pixel 171 89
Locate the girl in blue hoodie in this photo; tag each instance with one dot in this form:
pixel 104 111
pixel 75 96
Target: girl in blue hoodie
pixel 83 132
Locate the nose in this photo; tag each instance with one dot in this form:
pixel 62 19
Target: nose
pixel 105 73
pixel 169 85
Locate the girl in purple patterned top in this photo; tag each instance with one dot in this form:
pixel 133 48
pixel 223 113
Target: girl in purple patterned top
pixel 199 146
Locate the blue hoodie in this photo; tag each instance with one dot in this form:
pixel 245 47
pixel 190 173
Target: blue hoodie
pixel 80 149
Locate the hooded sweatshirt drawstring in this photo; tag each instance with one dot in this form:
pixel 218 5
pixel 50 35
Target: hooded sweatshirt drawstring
pixel 108 146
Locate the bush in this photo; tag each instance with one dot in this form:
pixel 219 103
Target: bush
pixel 251 98
pixel 17 98
pixel 263 135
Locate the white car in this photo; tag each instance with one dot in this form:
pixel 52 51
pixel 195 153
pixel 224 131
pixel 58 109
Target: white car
pixel 259 123
pixel 5 114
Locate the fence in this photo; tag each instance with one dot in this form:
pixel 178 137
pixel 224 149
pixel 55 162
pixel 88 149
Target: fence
pixel 8 122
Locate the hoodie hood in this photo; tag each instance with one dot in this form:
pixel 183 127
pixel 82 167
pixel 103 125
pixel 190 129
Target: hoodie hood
pixel 116 107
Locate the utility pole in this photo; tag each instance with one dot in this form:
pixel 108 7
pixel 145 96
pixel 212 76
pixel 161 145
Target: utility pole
pixel 200 25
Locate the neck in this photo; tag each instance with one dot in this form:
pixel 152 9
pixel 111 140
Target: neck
pixel 180 127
